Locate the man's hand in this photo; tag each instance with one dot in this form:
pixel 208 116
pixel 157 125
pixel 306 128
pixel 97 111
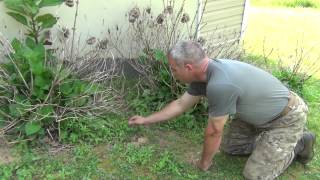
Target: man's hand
pixel 137 120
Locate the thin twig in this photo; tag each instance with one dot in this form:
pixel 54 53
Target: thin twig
pixel 74 28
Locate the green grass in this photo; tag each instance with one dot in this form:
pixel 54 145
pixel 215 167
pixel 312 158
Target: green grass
pixel 287 3
pixel 285 35
pixel 80 163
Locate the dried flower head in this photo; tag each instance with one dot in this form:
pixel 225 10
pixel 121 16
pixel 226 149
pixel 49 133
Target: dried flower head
pixel 148 10
pixel 103 44
pixel 69 3
pixel 168 10
pixel 134 14
pixel 201 40
pixel 47 42
pixel 47 34
pixel 185 18
pixel 91 40
pixel 151 24
pixel 160 19
pixel 66 32
pixel 109 31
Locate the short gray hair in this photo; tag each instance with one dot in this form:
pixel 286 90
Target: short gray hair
pixel 187 52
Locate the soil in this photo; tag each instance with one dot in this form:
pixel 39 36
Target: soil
pixel 5 155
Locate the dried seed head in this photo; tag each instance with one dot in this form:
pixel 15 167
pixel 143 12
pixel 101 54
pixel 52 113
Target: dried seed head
pixel 47 34
pixel 109 31
pixel 134 14
pixel 103 44
pixel 117 27
pixel 148 10
pixel 201 40
pixel 160 19
pixel 185 18
pixel 150 24
pixel 47 43
pixel 66 32
pixel 168 10
pixel 69 3
pixel 91 40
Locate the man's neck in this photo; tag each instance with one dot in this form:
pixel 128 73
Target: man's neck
pixel 203 70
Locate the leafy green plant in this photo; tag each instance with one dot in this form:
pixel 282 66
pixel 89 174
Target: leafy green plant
pixel 161 73
pixel 38 91
pixel 27 12
pixel 133 154
pixel 167 165
pixel 294 81
pixel 40 95
pixel 139 155
pixel 94 130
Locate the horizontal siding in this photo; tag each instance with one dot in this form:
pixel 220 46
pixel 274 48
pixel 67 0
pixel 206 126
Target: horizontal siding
pixel 227 29
pixel 231 12
pixel 230 21
pixel 222 19
pixel 221 5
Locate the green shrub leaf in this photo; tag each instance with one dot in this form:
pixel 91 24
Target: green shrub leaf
pixel 44 3
pixel 46 20
pixel 18 110
pixel 13 108
pixel 159 55
pixel 15 5
pixel 78 86
pixel 18 17
pixel 32 128
pixel 39 93
pixel 45 111
pixel 66 89
pixel 35 58
pixel 16 44
pixel 30 43
pixel 41 82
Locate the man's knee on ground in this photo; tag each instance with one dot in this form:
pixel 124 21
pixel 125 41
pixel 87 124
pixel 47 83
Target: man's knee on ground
pixel 251 174
pixel 235 149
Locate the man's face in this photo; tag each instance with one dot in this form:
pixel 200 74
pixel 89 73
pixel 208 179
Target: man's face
pixel 180 72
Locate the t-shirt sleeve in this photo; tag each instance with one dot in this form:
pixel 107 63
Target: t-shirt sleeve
pixel 197 89
pixel 222 99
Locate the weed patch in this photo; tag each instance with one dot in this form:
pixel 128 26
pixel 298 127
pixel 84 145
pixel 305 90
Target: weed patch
pixel 80 163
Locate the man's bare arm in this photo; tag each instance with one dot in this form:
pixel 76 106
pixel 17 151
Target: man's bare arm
pixel 172 110
pixel 212 140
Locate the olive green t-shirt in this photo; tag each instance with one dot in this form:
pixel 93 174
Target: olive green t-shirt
pixel 237 88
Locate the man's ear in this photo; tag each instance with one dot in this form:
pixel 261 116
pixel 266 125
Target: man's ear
pixel 189 67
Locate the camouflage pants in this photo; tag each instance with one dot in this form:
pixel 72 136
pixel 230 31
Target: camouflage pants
pixel 271 145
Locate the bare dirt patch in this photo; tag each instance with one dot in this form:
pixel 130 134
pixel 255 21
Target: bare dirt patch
pixel 5 155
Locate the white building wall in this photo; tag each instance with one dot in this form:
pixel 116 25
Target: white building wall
pixel 94 17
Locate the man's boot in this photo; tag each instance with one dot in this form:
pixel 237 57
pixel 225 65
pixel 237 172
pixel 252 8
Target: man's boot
pixel 304 149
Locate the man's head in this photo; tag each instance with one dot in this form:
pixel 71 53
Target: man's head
pixel 186 60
